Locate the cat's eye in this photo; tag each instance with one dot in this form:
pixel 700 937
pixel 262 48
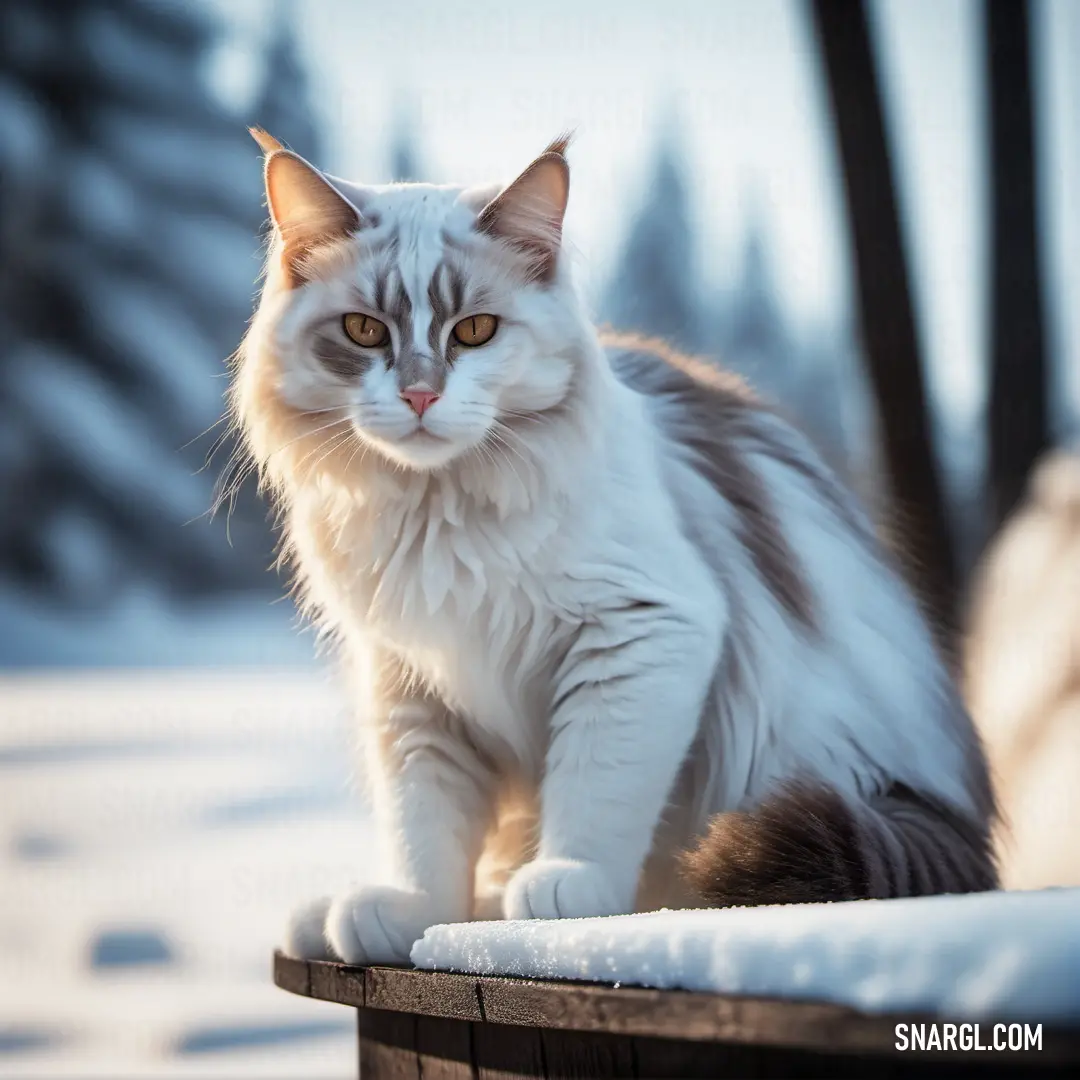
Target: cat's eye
pixel 476 330
pixel 365 330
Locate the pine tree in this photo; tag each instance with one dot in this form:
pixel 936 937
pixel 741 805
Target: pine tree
pixel 129 205
pixel 829 401
pixel 654 289
pixel 404 156
pixel 753 336
pixel 283 107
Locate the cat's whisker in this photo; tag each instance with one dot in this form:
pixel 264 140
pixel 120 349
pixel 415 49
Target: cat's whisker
pixel 532 417
pixel 305 435
pixel 233 479
pixel 311 470
pixel 499 434
pixel 483 451
pixel 218 443
pixel 488 454
pixel 361 448
pixel 321 412
pixel 232 428
pixel 236 471
pixel 517 414
pixel 206 431
pixel 327 447
pixel 503 432
pixel 507 430
pixel 500 442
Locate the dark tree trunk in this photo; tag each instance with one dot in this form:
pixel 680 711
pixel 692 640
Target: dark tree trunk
pixel 1018 425
pixel 887 320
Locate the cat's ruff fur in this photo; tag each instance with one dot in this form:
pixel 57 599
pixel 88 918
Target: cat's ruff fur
pixel 615 598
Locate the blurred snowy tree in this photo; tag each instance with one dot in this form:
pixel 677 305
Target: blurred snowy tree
pixel 283 106
pixel 808 375
pixel 404 156
pixel 655 289
pixel 129 207
pixel 831 402
pixel 752 335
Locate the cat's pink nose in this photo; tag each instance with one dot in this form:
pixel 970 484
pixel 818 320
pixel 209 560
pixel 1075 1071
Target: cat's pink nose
pixel 419 400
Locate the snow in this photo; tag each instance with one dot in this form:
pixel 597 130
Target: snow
pixel 156 826
pixel 990 955
pixel 144 629
pixel 154 830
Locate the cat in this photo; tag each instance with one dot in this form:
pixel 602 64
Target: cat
pixel 618 638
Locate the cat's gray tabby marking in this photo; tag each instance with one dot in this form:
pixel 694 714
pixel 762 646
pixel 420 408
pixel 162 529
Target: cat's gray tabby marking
pixel 447 295
pixel 716 421
pixel 806 843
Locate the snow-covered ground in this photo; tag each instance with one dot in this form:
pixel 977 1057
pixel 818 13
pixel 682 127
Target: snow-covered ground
pixel 991 955
pixel 154 829
pixel 141 628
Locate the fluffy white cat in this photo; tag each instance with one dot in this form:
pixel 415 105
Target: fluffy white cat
pixel 619 639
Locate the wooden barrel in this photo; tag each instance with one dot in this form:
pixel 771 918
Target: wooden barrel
pixel 425 1024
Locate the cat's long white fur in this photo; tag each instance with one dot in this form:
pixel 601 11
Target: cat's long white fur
pixel 548 612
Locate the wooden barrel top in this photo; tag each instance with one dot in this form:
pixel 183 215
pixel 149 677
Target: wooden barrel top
pixel 631 1010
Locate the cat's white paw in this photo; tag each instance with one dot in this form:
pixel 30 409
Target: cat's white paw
pixel 378 924
pixel 305 933
pixel 563 889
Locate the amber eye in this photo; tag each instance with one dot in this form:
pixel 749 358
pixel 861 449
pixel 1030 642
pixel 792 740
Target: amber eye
pixel 365 330
pixel 476 330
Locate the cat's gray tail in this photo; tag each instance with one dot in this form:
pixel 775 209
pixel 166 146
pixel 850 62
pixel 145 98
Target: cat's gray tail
pixel 807 843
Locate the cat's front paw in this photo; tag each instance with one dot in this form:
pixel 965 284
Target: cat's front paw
pixel 563 889
pixel 378 924
pixel 305 933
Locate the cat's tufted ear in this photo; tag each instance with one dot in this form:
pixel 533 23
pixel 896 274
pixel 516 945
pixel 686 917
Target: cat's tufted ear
pixel 267 143
pixel 529 212
pixel 306 208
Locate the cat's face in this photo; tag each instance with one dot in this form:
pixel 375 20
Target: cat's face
pixel 434 320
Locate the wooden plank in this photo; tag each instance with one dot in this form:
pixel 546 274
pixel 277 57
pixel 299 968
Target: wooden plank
pixel 428 992
pixel 293 975
pixel 672 1058
pixel 503 1052
pixel 631 1011
pixel 640 1011
pixel 337 982
pixel 581 1054
pixel 387 1045
pixel 444 1048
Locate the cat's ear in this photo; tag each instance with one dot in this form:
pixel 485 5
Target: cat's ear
pixel 306 208
pixel 267 143
pixel 529 212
